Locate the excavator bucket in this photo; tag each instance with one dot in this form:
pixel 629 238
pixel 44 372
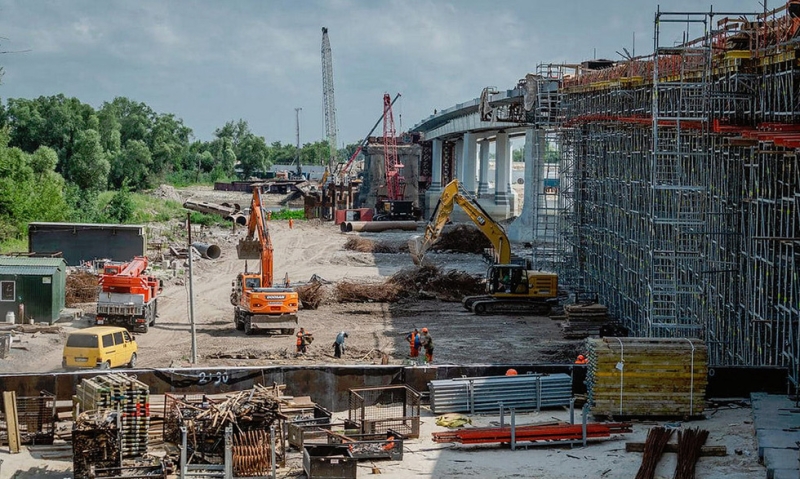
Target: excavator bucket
pixel 416 246
pixel 248 249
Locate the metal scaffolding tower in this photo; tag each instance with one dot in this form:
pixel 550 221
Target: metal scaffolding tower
pixel 679 198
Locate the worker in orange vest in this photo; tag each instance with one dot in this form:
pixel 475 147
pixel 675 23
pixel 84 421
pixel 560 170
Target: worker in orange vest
pixel 303 340
pixel 415 342
pixel 581 359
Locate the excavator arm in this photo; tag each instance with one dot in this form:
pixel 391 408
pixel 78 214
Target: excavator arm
pixel 454 194
pixel 257 244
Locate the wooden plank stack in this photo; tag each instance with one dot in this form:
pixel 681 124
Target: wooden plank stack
pixel 633 377
pixel 128 396
pixel 584 320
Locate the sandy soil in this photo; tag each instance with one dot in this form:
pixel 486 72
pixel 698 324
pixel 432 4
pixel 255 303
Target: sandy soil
pixel 310 248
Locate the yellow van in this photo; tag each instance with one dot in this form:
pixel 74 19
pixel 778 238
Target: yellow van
pixel 103 347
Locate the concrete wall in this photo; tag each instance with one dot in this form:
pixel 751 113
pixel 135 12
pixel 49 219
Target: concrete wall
pixel 328 386
pixel 79 242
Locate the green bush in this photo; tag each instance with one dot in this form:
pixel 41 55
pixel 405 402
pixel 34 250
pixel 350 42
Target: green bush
pixel 286 214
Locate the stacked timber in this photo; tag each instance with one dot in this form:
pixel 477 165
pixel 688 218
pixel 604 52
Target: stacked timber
pixel 584 320
pixel 125 394
pixel 96 441
pixel 647 376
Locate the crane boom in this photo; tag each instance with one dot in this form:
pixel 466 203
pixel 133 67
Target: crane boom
pixel 392 166
pixel 364 142
pixel 329 104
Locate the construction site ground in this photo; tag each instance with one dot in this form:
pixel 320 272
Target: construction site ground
pixel 309 248
pixel 730 425
pixel 376 333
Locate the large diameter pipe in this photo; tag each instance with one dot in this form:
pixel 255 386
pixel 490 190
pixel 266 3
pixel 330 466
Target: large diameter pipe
pixel 375 226
pixel 239 218
pixel 205 207
pixel 208 251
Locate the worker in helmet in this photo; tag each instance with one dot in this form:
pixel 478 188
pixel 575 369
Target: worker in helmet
pixel 581 359
pixel 415 342
pixel 303 340
pixel 427 343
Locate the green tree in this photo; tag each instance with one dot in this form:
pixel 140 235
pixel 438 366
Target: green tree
pixel 132 166
pixel 44 160
pixel 88 168
pixel 121 207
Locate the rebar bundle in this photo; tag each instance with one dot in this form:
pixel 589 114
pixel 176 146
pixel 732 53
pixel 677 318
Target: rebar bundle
pixel 690 442
pixel 657 439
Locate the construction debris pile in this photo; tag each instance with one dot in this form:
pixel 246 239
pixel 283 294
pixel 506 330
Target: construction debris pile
pixel 96 441
pixel 427 281
pixel 82 287
pixel 126 395
pixel 647 376
pixel 250 412
pixel 462 238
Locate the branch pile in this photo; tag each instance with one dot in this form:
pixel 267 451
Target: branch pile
pixel 364 245
pixel 424 282
pixel 462 238
pixel 81 288
pixel 311 295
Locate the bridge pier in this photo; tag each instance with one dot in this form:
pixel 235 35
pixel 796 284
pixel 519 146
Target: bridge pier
pixel 483 180
pixel 435 190
pixel 470 143
pixel 521 230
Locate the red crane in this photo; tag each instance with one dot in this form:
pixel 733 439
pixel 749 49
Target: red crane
pixel 395 183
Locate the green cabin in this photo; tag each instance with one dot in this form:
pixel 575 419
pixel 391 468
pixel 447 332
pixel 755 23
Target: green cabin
pixel 37 283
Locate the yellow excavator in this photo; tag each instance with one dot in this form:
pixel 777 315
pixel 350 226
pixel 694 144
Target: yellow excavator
pixel 258 305
pixel 510 287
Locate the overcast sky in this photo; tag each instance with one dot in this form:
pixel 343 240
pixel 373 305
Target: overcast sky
pixel 209 62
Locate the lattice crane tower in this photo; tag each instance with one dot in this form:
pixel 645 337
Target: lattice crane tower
pixel 327 98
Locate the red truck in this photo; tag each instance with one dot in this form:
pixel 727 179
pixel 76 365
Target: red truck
pixel 128 297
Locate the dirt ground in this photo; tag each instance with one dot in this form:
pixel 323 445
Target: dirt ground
pixel 309 248
pixel 374 329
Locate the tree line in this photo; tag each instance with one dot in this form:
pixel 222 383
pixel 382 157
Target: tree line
pixel 57 154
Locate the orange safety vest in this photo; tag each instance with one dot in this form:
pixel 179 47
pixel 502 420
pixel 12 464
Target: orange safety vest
pixel 299 339
pixel 389 444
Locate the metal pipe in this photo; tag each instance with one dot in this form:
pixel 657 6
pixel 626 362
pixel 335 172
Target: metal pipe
pixel 374 226
pixel 272 450
pixel 208 251
pixel 210 208
pixel 513 430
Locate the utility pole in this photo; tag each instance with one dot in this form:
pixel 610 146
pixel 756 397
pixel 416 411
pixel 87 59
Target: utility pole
pixel 297 151
pixel 191 293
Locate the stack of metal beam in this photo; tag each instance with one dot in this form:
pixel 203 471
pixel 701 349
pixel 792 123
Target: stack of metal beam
pixel 482 394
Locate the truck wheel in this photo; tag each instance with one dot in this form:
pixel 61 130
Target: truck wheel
pixel 248 327
pixel 237 320
pixel 132 362
pixel 479 308
pixel 142 328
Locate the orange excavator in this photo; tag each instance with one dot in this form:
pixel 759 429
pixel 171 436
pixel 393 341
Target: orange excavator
pixel 128 297
pixel 258 305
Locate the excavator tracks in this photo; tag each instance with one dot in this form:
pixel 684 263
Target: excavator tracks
pixel 488 305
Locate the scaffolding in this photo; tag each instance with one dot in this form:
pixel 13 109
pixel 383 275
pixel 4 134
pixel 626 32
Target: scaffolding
pixel 679 198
